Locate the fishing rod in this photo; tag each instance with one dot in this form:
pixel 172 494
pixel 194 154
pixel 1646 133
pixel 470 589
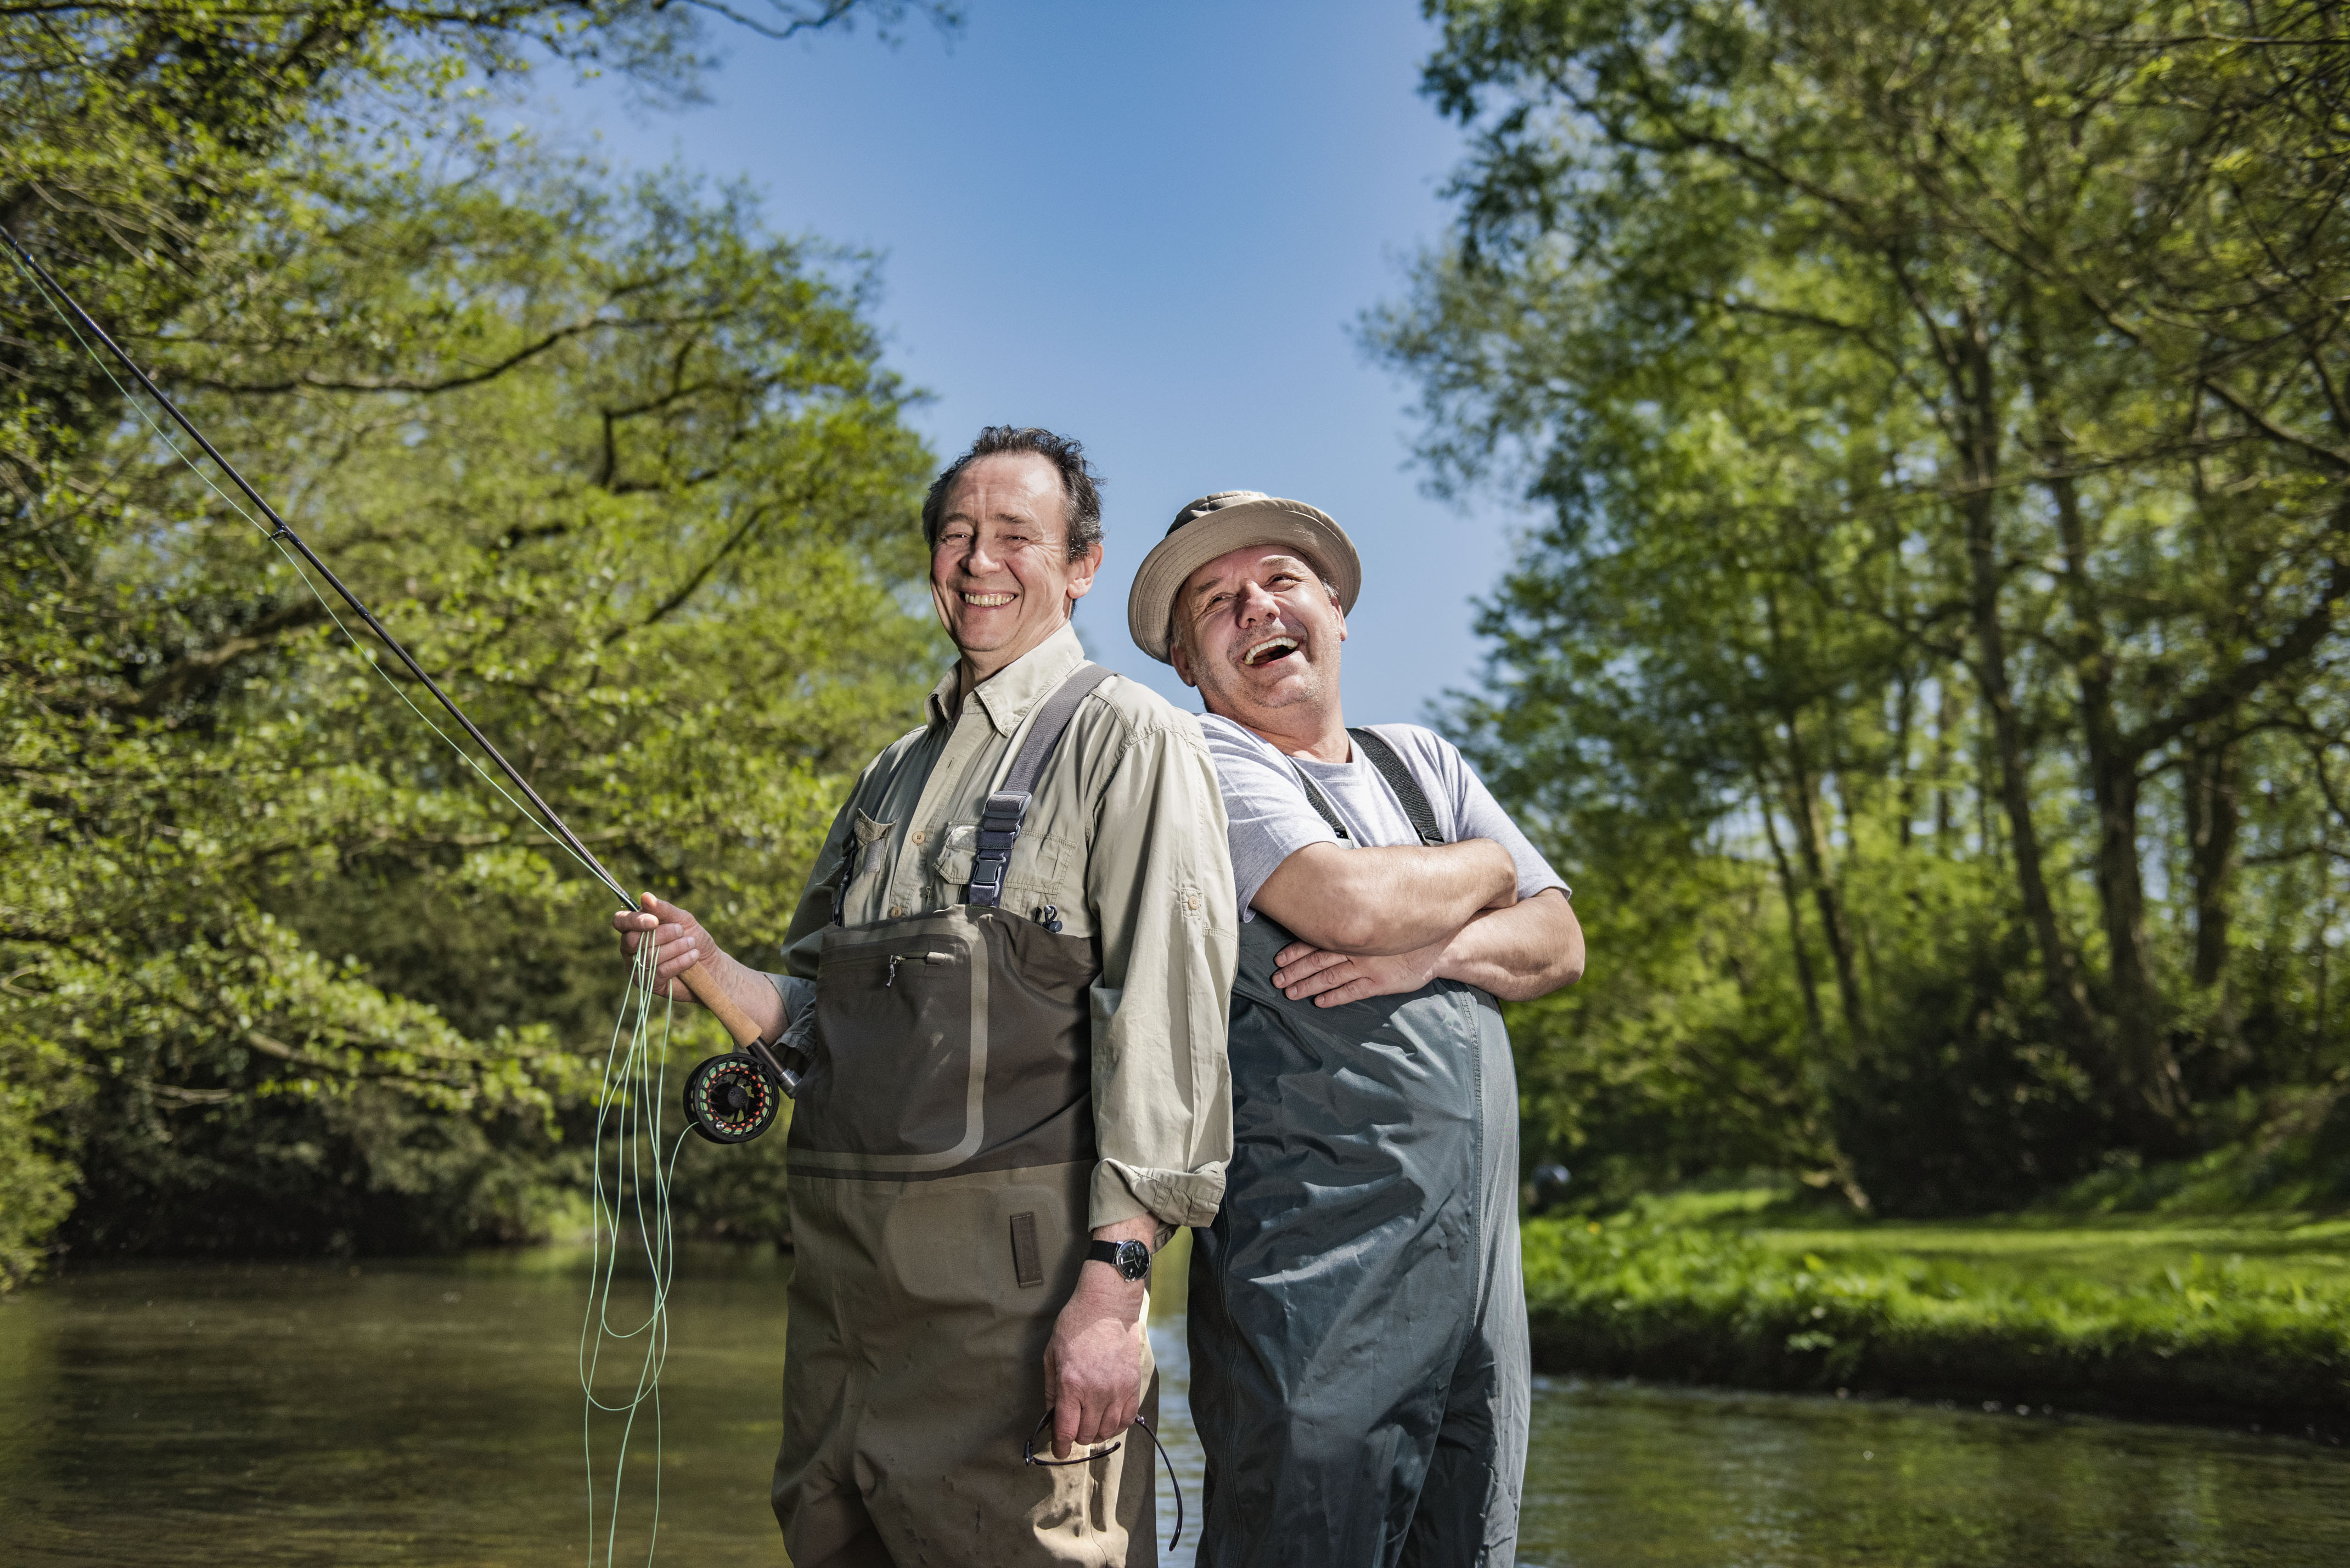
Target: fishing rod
pixel 727 1099
pixel 285 531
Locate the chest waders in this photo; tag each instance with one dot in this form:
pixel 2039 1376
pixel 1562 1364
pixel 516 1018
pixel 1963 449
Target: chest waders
pixel 941 1156
pixel 1357 1314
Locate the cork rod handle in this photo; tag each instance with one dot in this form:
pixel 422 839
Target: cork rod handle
pixel 706 990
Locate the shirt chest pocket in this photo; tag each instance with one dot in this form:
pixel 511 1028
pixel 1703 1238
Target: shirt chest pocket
pixel 1040 863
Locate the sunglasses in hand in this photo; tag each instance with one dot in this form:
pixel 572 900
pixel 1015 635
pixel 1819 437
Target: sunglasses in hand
pixel 1029 1456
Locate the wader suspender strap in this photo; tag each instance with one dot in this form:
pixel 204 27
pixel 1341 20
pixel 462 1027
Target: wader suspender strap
pixel 1007 808
pixel 1383 757
pixel 1415 799
pixel 1314 799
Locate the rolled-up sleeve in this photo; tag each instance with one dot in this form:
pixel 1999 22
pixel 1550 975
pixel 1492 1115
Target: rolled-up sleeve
pixel 1159 881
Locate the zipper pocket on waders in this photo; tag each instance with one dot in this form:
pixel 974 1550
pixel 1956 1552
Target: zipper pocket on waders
pixel 905 1044
pixel 890 977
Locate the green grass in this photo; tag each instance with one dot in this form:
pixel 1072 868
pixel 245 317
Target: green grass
pixel 2315 1253
pixel 2279 1246
pixel 2234 1317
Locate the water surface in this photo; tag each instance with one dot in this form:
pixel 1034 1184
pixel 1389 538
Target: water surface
pixel 1624 1476
pixel 429 1413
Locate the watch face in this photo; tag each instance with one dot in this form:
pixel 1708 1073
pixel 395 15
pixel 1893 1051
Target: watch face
pixel 1133 1260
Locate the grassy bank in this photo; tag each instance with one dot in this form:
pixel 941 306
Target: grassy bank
pixel 2245 1320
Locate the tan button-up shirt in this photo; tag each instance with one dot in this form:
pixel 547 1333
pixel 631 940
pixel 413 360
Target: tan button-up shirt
pixel 1125 840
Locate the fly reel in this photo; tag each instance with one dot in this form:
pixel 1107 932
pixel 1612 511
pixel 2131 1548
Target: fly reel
pixel 732 1099
pixel 735 1097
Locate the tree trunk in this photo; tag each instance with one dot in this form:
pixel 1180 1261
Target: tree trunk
pixel 1946 718
pixel 2145 1072
pixel 1804 978
pixel 1978 510
pixel 2212 818
pixel 1810 841
pixel 1905 708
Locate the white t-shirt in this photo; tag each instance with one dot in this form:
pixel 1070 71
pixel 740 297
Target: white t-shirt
pixel 1273 820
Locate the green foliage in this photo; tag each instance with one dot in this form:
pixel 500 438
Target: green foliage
pixel 626 473
pixel 35 1190
pixel 145 134
pixel 2291 1149
pixel 281 971
pixel 1636 1295
pixel 1928 656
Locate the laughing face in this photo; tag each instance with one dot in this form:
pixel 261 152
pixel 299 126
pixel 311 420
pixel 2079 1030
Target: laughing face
pixel 1257 631
pixel 1000 573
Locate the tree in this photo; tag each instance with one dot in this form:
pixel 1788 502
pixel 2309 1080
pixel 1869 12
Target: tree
pixel 2002 330
pixel 620 466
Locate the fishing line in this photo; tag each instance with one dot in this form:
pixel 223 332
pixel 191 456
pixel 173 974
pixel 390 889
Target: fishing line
pixel 629 1109
pixel 634 1087
pixel 68 310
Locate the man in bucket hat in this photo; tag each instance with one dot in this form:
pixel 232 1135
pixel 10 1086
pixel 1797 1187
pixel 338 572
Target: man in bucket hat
pixel 1358 1318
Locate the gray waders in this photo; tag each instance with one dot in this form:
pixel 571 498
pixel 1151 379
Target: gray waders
pixel 1359 1371
pixel 941 1154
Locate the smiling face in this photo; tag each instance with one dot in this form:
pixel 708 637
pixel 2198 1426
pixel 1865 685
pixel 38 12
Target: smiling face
pixel 1257 631
pixel 1000 573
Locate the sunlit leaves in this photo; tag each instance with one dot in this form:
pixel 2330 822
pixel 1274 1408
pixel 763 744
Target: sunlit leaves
pixel 1917 397
pixel 620 467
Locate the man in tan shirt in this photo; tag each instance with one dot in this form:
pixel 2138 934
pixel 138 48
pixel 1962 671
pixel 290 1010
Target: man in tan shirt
pixel 1017 1023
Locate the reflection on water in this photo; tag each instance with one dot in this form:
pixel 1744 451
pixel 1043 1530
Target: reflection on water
pixel 429 1413
pixel 1623 1476
pixel 424 1413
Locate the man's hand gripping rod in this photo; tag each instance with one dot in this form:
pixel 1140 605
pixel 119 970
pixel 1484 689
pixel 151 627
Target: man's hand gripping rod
pixel 712 995
pixel 721 1101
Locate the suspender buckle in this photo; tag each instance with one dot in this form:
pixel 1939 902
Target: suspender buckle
pixel 1003 813
pixel 999 830
pixel 1007 808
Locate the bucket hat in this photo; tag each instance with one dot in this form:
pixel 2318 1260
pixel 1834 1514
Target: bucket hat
pixel 1212 525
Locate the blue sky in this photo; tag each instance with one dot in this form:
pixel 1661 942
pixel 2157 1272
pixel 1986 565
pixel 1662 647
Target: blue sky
pixel 1152 226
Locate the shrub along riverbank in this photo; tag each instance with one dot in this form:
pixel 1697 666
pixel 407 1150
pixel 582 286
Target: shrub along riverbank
pixel 2119 1318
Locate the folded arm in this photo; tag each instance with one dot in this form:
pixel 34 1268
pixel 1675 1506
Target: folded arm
pixel 1391 900
pixel 1526 950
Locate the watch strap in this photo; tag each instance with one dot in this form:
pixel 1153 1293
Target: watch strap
pixel 1112 1253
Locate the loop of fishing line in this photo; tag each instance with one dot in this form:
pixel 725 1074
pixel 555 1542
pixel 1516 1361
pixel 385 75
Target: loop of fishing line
pixel 630 1102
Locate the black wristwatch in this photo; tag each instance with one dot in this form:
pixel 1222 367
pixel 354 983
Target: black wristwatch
pixel 1130 1259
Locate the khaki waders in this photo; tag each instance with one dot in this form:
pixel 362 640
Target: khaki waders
pixel 942 1151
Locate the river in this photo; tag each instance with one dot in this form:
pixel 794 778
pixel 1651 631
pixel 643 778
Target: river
pixel 430 1413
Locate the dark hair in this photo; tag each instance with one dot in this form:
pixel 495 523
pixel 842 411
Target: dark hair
pixel 1080 486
